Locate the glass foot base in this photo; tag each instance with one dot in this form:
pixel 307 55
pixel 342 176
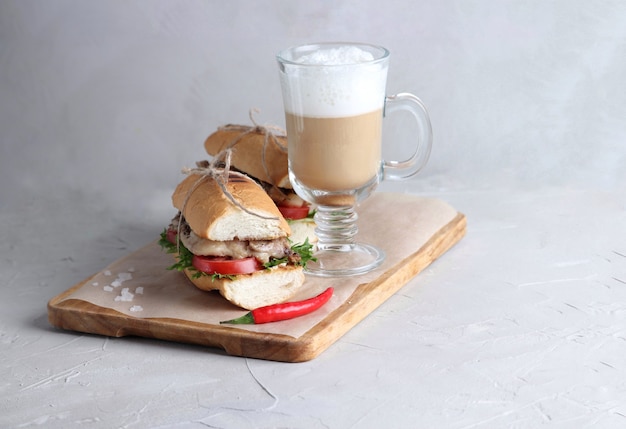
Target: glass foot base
pixel 344 261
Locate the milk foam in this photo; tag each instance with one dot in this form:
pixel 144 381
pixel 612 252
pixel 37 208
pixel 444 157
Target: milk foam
pixel 350 85
pixel 336 56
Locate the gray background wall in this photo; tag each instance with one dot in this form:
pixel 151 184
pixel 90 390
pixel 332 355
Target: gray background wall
pixel 108 100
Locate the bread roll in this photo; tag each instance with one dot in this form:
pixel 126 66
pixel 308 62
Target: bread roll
pixel 255 290
pixel 251 155
pixel 210 213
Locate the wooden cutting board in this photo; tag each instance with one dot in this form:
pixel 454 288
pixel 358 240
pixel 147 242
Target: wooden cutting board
pixel 162 304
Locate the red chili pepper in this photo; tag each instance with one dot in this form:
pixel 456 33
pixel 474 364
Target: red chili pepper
pixel 284 311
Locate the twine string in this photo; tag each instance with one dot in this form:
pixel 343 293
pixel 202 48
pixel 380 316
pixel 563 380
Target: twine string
pixel 269 132
pixel 217 169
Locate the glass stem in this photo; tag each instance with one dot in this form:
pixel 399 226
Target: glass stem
pixel 336 228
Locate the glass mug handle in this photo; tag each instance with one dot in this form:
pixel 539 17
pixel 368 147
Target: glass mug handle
pixel 399 170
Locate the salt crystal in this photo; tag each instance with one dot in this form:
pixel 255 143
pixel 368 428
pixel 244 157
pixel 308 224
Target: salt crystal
pixel 94 284
pixel 124 276
pixel 108 288
pixel 107 272
pixel 116 283
pixel 136 308
pixel 131 270
pixel 139 290
pixel 125 295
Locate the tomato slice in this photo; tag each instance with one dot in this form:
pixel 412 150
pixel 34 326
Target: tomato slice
pixel 171 235
pixel 225 266
pixel 294 213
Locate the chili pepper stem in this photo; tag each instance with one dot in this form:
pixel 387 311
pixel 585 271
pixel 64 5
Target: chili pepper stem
pixel 246 319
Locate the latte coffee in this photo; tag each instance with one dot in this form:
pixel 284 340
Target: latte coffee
pixel 334 98
pixel 334 101
pixel 335 153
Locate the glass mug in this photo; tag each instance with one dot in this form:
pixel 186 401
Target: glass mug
pixel 334 96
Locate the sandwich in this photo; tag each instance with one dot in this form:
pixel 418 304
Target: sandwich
pixel 262 155
pixel 229 236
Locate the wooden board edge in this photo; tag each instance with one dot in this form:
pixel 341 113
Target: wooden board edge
pixel 82 316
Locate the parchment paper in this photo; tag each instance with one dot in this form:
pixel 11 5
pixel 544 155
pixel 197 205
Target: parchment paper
pixel 139 285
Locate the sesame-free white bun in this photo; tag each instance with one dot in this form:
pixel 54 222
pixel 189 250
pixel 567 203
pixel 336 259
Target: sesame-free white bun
pixel 210 213
pixel 255 290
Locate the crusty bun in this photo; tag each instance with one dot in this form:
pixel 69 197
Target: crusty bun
pixel 255 290
pixel 211 215
pixel 251 155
